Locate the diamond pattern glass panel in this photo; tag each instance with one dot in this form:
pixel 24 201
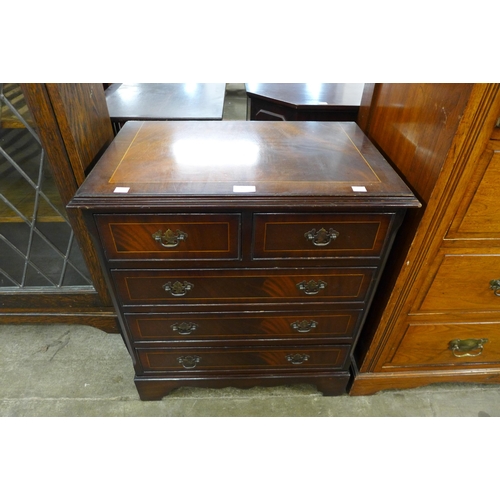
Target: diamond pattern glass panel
pixel 37 244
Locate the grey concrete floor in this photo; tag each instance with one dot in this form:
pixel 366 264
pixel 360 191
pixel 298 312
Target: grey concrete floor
pixel 72 370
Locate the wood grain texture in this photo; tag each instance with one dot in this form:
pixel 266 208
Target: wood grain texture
pixel 432 283
pixel 302 174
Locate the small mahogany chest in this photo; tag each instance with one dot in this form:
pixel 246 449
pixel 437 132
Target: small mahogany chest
pixel 242 253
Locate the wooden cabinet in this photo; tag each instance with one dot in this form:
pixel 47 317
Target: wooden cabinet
pixel 242 253
pixel 72 125
pixel 304 101
pixel 439 323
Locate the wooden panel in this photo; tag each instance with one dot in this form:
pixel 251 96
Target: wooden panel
pixel 241 360
pixel 414 125
pixel 279 236
pixel 224 326
pixel 204 237
pixel 232 286
pixel 429 345
pixel 84 122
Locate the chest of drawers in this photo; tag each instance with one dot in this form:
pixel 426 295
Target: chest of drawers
pixel 242 253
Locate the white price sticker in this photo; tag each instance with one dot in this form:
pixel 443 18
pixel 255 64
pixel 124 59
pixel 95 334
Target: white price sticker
pixel 359 189
pixel 121 190
pixel 243 189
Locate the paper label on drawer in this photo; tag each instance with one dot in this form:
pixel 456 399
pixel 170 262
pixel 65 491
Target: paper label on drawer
pixel 359 189
pixel 121 190
pixel 243 189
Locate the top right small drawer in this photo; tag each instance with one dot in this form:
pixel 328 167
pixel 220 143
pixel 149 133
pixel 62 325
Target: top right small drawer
pixel 303 236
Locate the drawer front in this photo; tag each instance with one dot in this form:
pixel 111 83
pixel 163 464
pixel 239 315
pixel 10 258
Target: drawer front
pixel 176 328
pixel 303 236
pixel 235 286
pixel 463 284
pixel 170 236
pixel 248 359
pixel 448 344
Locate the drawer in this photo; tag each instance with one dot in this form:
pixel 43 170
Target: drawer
pixel 248 359
pixel 305 236
pixel 224 327
pixel 235 286
pixel 429 345
pixel 462 283
pixel 170 236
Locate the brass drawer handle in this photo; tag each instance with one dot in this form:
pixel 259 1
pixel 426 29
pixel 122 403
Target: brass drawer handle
pixel 311 287
pixel 169 238
pixel 178 289
pixel 495 286
pixel 466 347
pixel 321 238
pixel 304 326
pixel 184 328
pixel 297 359
pixel 189 362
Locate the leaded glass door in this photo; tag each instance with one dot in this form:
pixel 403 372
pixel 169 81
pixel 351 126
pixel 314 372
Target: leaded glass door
pixel 51 134
pixel 37 244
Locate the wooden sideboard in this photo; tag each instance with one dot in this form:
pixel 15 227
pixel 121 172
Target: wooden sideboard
pixel 436 317
pixel 242 253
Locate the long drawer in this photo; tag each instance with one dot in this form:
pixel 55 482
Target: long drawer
pixel 236 286
pixel 247 359
pixel 262 326
pixel 447 345
pixel 303 236
pixel 174 237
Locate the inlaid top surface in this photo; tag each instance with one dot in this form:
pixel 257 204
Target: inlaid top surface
pixel 243 159
pixel 165 101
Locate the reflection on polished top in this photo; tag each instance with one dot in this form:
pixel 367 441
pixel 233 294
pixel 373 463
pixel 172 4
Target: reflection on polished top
pixel 245 160
pixel 309 94
pixel 165 101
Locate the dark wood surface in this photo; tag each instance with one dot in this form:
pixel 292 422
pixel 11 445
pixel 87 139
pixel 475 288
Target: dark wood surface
pixel 203 272
pixel 304 101
pixel 201 160
pixel 165 101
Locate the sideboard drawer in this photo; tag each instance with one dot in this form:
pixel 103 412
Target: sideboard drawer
pixel 170 236
pixel 448 344
pixel 463 283
pixel 247 359
pixel 233 286
pixel 302 236
pixel 223 326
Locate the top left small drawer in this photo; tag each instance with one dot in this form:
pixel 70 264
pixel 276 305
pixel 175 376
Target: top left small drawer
pixel 170 236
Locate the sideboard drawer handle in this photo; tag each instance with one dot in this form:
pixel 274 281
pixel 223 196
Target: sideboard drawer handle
pixel 467 347
pixel 321 238
pixel 311 287
pixel 169 238
pixel 189 362
pixel 178 289
pixel 495 286
pixel 304 326
pixel 184 328
pixel 297 359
